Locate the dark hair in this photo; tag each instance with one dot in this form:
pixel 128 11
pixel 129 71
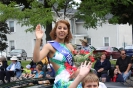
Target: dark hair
pixel 122 50
pixel 111 72
pixel 53 32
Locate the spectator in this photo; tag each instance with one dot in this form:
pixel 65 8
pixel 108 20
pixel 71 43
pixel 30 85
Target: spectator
pixel 84 46
pixel 50 73
pixel 13 68
pixel 3 66
pixel 115 76
pixel 27 71
pixel 33 65
pixel 39 73
pixel 102 66
pixel 123 64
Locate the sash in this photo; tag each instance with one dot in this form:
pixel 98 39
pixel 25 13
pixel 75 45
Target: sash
pixel 63 51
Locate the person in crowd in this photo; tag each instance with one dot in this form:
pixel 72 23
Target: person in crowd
pixel 88 79
pixel 33 65
pixel 115 76
pixel 3 66
pixel 123 64
pixel 13 68
pixel 27 71
pixel 102 66
pixel 59 52
pixel 50 73
pixel 39 73
pixel 85 46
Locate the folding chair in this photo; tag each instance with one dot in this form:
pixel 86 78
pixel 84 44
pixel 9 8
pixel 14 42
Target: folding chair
pixel 14 78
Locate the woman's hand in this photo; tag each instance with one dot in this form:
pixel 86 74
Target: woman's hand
pixel 39 32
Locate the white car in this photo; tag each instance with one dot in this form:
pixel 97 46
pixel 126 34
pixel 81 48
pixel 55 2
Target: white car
pixel 19 53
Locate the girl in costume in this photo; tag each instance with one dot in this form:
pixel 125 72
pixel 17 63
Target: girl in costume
pixel 59 52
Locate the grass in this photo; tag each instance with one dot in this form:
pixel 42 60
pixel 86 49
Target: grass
pixel 23 63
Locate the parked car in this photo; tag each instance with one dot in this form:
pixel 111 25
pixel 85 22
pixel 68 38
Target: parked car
pixel 112 52
pixel 78 47
pixel 20 53
pixel 129 50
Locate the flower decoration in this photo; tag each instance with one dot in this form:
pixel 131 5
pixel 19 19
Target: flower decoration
pixel 82 55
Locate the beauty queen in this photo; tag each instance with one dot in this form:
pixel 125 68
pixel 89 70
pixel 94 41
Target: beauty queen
pixel 59 52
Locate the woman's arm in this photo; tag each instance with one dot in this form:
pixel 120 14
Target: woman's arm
pixel 37 54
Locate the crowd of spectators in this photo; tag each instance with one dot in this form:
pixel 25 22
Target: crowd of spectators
pixel 32 70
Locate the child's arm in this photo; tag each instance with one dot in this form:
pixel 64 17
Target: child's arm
pixel 84 70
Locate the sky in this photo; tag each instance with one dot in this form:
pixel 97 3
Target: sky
pixel 77 0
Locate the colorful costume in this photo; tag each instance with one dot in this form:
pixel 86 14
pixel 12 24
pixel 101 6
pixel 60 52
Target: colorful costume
pixel 62 74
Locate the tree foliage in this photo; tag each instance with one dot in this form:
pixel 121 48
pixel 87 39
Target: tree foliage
pixel 92 12
pixel 96 12
pixel 3 38
pixel 34 12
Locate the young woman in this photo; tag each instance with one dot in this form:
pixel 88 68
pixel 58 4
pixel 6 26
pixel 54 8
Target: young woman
pixel 115 76
pixel 59 52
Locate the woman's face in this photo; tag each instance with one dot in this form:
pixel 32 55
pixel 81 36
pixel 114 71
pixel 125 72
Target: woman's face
pixel 91 85
pixel 83 43
pixel 13 61
pixel 61 31
pixel 115 71
pixel 103 56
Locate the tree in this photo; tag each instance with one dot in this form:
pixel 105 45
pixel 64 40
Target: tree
pixel 35 12
pixel 3 31
pixel 96 12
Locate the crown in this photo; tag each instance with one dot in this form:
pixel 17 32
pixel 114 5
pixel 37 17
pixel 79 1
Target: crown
pixel 60 18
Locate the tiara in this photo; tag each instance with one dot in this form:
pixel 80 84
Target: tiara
pixel 60 18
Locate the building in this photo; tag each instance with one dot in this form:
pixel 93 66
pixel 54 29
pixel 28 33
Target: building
pixel 107 35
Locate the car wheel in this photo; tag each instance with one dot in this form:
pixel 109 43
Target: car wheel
pixel 21 58
pixel 25 58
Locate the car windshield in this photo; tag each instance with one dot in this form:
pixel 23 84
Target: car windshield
pixel 16 51
pixel 102 48
pixel 129 47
